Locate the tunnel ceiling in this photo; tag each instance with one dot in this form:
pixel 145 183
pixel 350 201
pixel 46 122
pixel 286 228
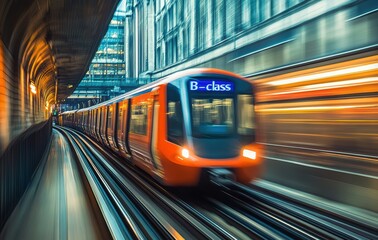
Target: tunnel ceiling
pixel 54 39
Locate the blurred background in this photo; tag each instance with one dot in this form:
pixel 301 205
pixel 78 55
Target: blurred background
pixel 314 65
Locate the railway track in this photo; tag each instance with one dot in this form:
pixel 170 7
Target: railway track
pixel 290 218
pixel 136 207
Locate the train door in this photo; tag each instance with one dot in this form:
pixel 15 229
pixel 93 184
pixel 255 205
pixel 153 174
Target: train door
pixel 88 116
pixel 90 123
pixel 140 130
pixel 111 126
pixel 103 127
pixel 92 127
pixel 122 127
pixel 154 134
pixel 94 121
pixel 98 124
pixel 114 134
pixel 73 119
pixel 85 121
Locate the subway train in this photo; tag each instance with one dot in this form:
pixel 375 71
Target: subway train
pixel 192 127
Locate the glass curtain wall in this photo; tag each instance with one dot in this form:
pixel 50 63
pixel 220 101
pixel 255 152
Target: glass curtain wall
pixel 109 61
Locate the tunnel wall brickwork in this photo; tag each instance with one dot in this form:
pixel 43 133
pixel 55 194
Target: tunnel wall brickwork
pixel 24 132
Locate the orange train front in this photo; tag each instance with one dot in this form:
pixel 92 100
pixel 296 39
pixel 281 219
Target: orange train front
pixel 191 127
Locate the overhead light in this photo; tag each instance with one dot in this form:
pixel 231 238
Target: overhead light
pixel 33 88
pixel 70 86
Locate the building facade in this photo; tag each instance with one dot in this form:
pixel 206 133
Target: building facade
pixel 106 76
pixel 244 36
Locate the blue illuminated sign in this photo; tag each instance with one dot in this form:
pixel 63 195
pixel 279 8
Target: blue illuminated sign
pixel 211 86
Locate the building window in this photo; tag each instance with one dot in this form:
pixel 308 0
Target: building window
pixel 202 24
pixel 278 6
pixel 158 58
pixel 185 43
pixel 108 65
pixel 246 13
pixel 174 14
pixel 218 20
pixel 265 9
pixel 230 17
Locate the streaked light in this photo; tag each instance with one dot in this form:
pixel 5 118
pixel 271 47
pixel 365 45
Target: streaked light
pixel 325 75
pixel 185 153
pixel 329 85
pixel 345 83
pixel 33 88
pixel 249 154
pixel 317 108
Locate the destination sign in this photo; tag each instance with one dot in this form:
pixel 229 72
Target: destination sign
pixel 211 86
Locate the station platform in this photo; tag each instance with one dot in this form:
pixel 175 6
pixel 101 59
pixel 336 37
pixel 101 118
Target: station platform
pixel 55 204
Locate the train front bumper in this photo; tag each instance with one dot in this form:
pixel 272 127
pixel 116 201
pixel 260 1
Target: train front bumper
pixel 182 171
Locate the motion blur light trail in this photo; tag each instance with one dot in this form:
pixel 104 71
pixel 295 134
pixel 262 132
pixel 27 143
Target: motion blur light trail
pixel 325 117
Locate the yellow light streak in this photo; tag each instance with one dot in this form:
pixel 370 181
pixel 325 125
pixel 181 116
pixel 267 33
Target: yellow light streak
pixel 33 88
pixel 317 108
pixel 330 85
pixel 335 73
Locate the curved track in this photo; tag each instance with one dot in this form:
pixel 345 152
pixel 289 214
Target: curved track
pixel 136 206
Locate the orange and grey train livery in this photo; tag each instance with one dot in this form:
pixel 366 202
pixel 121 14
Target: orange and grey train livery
pixel 192 126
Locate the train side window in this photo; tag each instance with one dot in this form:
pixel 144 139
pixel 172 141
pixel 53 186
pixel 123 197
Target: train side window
pixel 138 123
pixel 175 123
pixel 246 116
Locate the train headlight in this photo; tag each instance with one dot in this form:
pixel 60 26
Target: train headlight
pixel 249 154
pixel 185 153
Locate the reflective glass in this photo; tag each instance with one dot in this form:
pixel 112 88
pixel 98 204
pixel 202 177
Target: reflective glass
pixel 212 117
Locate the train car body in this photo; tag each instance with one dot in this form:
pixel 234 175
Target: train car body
pixel 67 119
pixel 191 126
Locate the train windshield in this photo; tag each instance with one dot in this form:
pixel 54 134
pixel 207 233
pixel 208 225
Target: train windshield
pixel 212 116
pixel 221 115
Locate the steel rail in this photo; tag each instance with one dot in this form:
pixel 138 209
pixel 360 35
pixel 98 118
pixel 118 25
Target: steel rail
pixel 311 219
pixel 156 191
pixel 116 227
pixel 194 228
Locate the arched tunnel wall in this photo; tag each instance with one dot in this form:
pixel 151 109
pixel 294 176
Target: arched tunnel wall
pixel 24 132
